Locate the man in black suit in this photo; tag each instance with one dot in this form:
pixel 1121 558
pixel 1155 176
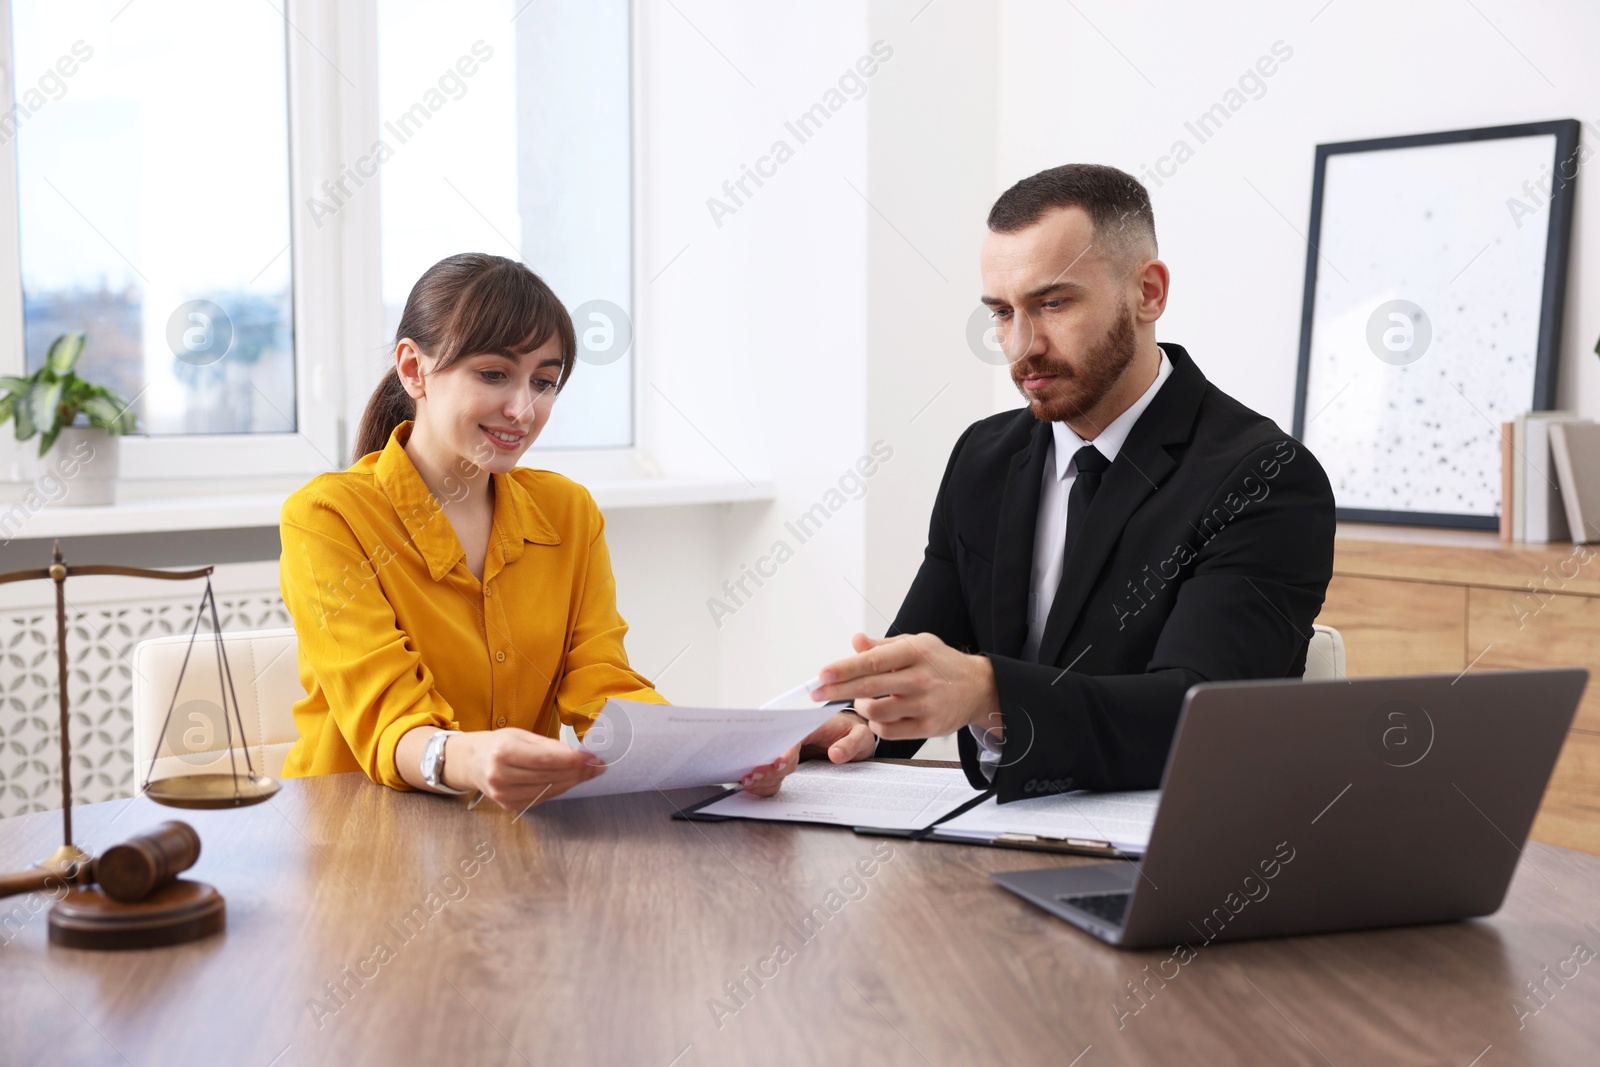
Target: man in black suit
pixel 1133 531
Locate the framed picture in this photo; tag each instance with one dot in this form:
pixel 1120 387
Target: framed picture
pixel 1435 270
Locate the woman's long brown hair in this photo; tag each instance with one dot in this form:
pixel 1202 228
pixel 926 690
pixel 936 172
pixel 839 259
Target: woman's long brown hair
pixel 465 305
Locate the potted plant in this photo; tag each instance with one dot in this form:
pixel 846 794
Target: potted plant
pixel 49 402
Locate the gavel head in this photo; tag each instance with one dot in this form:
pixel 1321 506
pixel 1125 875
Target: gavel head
pixel 131 871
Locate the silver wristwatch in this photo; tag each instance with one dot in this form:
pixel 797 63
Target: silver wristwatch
pixel 433 761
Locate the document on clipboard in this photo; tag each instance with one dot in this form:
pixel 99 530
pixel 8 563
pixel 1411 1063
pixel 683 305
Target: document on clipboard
pixel 1099 821
pixel 879 796
pixel 939 804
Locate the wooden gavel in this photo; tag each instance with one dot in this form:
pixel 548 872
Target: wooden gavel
pixel 128 872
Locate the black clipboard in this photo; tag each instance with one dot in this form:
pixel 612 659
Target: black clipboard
pixel 1030 842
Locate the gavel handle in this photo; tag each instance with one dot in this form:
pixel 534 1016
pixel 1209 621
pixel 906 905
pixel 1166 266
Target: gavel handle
pixel 42 878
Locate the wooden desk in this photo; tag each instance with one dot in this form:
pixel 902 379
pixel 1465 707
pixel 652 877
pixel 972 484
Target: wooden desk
pixel 1410 600
pixel 601 931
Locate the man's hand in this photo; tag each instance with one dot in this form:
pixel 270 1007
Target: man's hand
pixel 843 738
pixel 914 685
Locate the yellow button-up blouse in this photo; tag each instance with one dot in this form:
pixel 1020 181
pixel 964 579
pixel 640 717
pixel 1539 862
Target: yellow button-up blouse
pixel 395 632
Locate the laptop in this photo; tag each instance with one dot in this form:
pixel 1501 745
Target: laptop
pixel 1300 807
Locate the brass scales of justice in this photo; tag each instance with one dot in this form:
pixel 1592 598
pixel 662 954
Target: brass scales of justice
pixel 131 896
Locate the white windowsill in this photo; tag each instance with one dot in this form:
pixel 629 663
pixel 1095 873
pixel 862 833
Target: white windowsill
pixel 169 514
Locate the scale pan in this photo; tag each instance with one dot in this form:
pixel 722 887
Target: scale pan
pixel 212 790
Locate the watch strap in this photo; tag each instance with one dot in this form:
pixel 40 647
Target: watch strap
pixel 433 757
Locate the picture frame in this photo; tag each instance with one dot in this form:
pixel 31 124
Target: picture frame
pixel 1436 269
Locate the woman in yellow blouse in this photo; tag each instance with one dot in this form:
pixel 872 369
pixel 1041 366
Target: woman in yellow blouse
pixel 436 586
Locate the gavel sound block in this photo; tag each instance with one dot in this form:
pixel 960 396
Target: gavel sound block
pixel 130 896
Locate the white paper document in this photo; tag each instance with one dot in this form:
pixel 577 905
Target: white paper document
pixel 661 746
pixel 1122 820
pixel 884 796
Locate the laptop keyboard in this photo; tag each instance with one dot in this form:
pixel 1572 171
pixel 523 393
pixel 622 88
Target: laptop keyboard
pixel 1111 907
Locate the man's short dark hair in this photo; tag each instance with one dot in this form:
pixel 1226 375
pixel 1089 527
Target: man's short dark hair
pixel 1115 201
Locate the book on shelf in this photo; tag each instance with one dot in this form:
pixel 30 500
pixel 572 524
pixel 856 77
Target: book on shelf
pixel 1508 464
pixel 1534 508
pixel 1575 452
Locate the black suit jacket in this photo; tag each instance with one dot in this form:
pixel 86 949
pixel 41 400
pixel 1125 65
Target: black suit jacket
pixel 1206 557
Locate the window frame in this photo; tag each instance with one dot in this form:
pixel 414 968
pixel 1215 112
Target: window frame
pixel 336 271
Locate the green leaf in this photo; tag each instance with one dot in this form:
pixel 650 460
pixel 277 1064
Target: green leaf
pixel 24 421
pixel 42 401
pixel 16 386
pixel 129 420
pixel 102 411
pixel 48 439
pixel 7 403
pixel 74 390
pixel 64 352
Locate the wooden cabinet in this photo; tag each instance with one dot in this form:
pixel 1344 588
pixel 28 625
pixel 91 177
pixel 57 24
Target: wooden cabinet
pixel 1559 631
pixel 1409 600
pixel 1397 627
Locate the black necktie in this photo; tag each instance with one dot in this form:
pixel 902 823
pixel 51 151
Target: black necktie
pixel 1091 464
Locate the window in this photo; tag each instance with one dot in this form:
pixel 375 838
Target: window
pixel 153 205
pixel 233 200
pixel 504 128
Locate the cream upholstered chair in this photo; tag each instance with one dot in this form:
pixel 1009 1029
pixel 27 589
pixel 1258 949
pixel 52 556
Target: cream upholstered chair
pixel 1325 655
pixel 266 680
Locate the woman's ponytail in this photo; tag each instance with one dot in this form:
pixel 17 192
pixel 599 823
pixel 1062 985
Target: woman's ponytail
pixel 389 406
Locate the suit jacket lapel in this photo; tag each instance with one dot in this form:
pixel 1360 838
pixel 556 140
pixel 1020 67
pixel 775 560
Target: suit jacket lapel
pixel 1139 469
pixel 1013 550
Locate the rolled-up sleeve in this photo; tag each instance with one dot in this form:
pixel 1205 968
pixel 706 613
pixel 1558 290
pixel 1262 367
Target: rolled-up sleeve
pixel 373 678
pixel 596 662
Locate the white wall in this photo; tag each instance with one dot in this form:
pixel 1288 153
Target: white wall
pixel 1116 92
pixel 752 336
pixel 662 558
pixel 931 151
pixel 825 314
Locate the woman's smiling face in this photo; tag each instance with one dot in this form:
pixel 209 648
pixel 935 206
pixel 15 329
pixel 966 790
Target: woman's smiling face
pixel 485 408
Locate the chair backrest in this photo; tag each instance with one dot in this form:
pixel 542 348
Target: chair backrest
pixel 1325 655
pixel 266 680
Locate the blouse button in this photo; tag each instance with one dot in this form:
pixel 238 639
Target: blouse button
pixel 500 657
pixel 501 721
pixel 487 591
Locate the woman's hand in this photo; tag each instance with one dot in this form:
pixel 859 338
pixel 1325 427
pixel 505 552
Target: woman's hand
pixel 843 738
pixel 764 781
pixel 516 768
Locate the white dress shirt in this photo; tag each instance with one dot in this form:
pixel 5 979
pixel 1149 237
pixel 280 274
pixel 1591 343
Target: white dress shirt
pixel 1050 529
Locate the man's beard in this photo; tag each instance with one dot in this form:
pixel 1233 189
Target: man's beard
pixel 1078 389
